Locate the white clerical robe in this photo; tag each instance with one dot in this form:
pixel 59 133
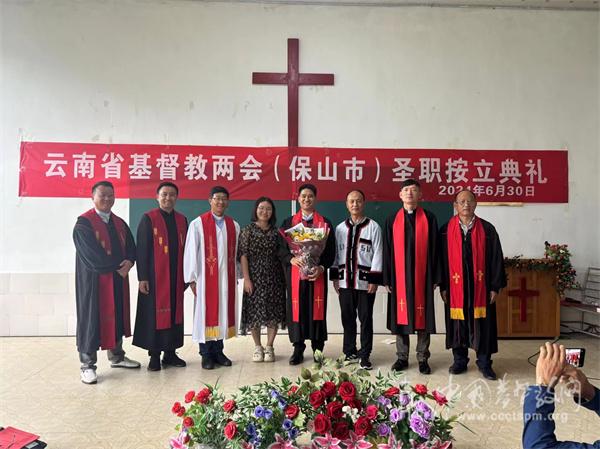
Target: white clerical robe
pixel 193 271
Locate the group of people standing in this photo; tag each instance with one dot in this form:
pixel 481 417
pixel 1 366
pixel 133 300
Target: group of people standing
pixel 410 257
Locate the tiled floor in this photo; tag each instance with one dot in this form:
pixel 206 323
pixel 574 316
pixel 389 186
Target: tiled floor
pixel 40 391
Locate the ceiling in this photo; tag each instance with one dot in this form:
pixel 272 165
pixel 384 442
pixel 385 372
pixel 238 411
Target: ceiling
pixel 566 5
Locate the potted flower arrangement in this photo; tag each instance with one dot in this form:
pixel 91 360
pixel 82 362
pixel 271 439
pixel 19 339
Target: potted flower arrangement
pixel 324 408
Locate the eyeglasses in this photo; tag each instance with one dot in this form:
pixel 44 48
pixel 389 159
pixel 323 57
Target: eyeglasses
pixel 220 199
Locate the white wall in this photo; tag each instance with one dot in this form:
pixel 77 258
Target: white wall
pixel 179 72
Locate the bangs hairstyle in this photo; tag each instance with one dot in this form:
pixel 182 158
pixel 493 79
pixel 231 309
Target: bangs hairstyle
pixel 167 184
pixel 218 189
pixel 263 199
pixel 309 187
pixel 102 184
pixel 410 182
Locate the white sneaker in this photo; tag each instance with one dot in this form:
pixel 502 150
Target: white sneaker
pixel 126 363
pixel 259 354
pixel 88 376
pixel 269 354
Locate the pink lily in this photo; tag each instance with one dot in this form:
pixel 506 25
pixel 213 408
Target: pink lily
pixel 391 444
pixel 281 443
pixel 356 442
pixel 328 442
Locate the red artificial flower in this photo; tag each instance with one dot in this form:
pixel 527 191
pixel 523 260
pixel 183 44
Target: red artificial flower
pixel 203 396
pixel 439 398
pixel 186 439
pixel 292 390
pixel 291 411
pixel 347 391
pixel 328 389
pixel 334 410
pixel 188 421
pixel 229 406
pixel 371 411
pixel 355 403
pixel 230 430
pixel 341 430
pixel 176 407
pixel 316 399
pixel 181 411
pixel 189 396
pixel 322 424
pixel 391 392
pixel 421 389
pixel 362 426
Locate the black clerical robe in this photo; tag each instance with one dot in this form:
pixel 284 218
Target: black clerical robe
pixel 146 334
pixel 306 327
pixel 480 334
pixel 432 271
pixel 92 261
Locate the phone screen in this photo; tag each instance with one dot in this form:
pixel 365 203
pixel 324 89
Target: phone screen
pixel 575 356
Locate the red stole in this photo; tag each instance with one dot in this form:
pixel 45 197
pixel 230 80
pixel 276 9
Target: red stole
pixel 455 266
pixel 420 262
pixel 162 270
pixel 318 285
pixel 211 275
pixel 106 293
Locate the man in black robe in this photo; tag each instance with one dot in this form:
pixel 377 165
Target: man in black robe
pixel 159 323
pixel 304 325
pixel 105 252
pixel 410 238
pixel 472 325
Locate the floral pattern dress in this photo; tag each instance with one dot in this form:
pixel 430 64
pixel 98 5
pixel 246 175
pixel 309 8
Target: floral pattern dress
pixel 266 305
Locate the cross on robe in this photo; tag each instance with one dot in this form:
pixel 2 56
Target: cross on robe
pixel 456 278
pixel 293 79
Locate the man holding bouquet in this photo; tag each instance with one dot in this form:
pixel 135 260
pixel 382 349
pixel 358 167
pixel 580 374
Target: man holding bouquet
pixel 306 277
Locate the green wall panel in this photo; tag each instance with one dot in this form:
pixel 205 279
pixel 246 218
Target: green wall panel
pixel 241 210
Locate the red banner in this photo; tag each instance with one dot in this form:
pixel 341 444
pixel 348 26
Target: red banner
pixel 70 169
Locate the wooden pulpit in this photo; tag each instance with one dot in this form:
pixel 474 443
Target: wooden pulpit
pixel 529 306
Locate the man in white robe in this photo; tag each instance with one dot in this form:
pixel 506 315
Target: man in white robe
pixel 209 266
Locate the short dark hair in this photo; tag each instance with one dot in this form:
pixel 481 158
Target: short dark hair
pixel 102 184
pixel 309 187
pixel 167 184
pixel 465 190
pixel 219 189
pixel 356 190
pixel 410 182
pixel 262 199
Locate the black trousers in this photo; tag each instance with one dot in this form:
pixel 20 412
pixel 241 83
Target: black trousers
pixel 351 302
pixel 461 357
pixel 211 348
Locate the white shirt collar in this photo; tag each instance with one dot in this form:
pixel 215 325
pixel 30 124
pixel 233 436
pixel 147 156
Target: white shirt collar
pixel 105 216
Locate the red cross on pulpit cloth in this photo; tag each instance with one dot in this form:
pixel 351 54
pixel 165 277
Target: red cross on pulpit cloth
pixel 293 79
pixel 523 294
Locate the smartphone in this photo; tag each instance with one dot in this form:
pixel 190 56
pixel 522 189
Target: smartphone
pixel 575 356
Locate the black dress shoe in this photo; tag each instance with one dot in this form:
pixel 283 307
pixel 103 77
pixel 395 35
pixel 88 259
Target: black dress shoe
pixel 400 365
pixel 297 358
pixel 456 368
pixel 488 373
pixel 221 359
pixel 171 359
pixel 154 364
pixel 208 363
pixel 424 367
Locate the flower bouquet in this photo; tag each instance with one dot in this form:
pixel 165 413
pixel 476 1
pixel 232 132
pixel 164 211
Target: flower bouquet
pixel 324 408
pixel 307 244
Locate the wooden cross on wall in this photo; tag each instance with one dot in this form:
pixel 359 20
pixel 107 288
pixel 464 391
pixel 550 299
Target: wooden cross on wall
pixel 293 79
